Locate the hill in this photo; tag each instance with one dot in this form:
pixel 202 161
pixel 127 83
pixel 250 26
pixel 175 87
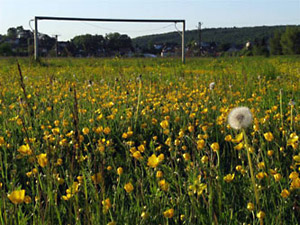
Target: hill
pixel 238 36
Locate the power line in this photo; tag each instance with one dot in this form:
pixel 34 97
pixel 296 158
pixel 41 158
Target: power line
pixel 105 28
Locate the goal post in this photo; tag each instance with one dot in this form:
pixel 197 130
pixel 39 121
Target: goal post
pixel 37 18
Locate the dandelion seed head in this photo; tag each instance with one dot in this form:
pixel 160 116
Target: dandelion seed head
pixel 212 85
pixel 240 117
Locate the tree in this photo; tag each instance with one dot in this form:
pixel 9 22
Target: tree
pixel 275 46
pixel 12 33
pixel 5 49
pixel 89 44
pixel 116 41
pixel 290 41
pixel 260 47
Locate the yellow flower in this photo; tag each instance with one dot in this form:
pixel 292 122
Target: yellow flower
pixel 250 206
pixel 42 159
pixel 239 146
pixel 55 131
pixel 277 177
pixel 215 146
pixel 159 174
pixel 200 144
pixel 27 199
pixel 238 138
pixel 228 138
pixel 119 171
pixel 293 139
pixel 85 130
pixel 25 150
pixel 106 130
pixel 260 175
pixel 17 197
pixel 153 161
pixel 106 205
pixel 137 155
pixel 270 152
pixel 2 141
pixel 285 193
pixel 186 156
pixel 169 213
pixel 128 187
pixel 229 177
pixel 97 178
pixel 295 183
pixel 204 159
pixel 261 165
pixel 260 215
pixel 293 175
pixel 164 185
pixel 268 136
pixel 164 124
pixel 144 215
pixel 296 158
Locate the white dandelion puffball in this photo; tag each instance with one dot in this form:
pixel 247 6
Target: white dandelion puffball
pixel 240 117
pixel 212 85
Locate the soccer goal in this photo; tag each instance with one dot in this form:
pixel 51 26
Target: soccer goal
pixel 37 18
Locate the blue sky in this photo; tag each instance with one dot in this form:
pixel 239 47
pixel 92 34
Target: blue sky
pixel 212 13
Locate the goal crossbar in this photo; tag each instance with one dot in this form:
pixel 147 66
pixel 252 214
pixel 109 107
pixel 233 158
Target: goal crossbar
pixel 37 18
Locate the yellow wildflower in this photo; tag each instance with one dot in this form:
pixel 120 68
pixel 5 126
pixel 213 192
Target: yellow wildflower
pixel 164 185
pixel 164 124
pixel 97 178
pixel 42 159
pixel 169 213
pixel 17 197
pixel 229 177
pixel 119 171
pixel 268 136
pixel 250 206
pixel 159 174
pixel 128 187
pixel 153 161
pixel 106 205
pixel 277 177
pixel 85 130
pixel 260 215
pixel 137 155
pixel 239 146
pixel 228 138
pixel 285 193
pixel 25 150
pixel 215 146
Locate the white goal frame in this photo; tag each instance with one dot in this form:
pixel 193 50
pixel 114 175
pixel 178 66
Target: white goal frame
pixel 37 18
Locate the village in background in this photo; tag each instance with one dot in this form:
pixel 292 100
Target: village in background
pixel 274 40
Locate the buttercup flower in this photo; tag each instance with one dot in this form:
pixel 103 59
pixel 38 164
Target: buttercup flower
pixel 240 117
pixel 17 197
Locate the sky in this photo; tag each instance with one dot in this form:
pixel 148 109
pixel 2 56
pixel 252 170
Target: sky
pixel 211 13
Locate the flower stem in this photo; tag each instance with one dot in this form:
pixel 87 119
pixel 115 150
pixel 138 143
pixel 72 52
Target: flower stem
pixel 251 168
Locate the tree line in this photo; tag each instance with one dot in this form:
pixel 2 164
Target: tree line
pixel 19 42
pixel 277 40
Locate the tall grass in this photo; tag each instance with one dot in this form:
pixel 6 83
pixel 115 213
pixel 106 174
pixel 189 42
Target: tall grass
pixel 92 117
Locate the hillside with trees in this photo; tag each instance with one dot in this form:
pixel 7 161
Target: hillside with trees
pixel 221 36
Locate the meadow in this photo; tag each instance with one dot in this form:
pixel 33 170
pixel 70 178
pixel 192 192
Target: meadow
pixel 147 141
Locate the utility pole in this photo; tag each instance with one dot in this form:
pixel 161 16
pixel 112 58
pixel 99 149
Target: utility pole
pixel 56 44
pixel 199 36
pixel 36 39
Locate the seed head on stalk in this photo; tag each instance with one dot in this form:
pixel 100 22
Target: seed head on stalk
pixel 240 117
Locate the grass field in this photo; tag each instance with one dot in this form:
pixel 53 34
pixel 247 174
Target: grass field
pixel 147 141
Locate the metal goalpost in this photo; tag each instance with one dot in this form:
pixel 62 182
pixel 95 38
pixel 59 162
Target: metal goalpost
pixel 37 18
